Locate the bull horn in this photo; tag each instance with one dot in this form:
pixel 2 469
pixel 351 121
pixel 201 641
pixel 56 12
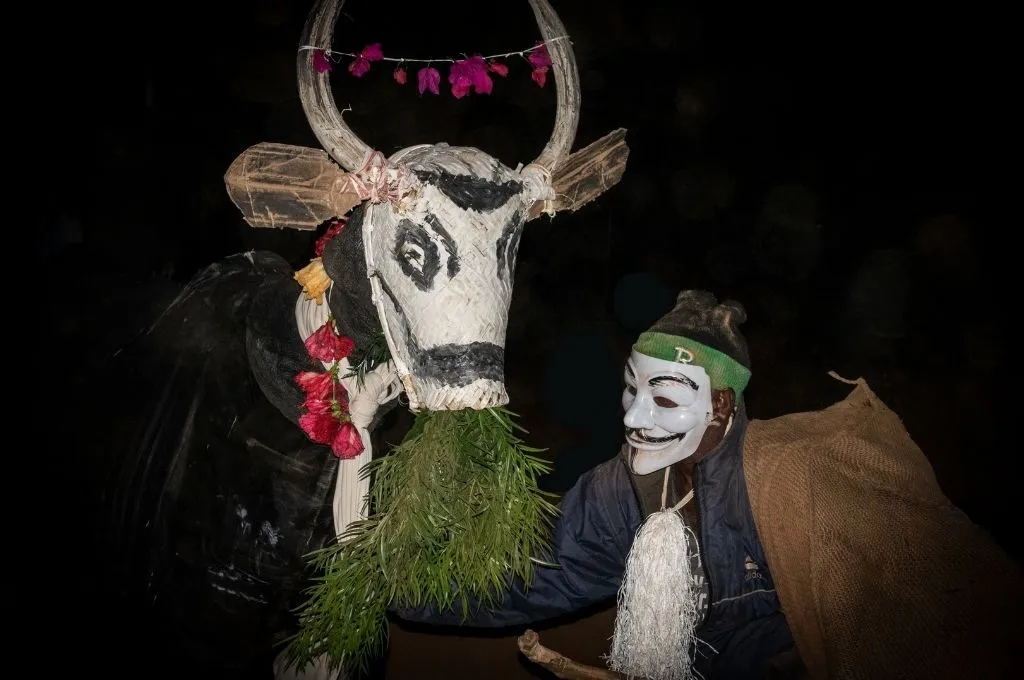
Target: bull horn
pixel 567 86
pixel 315 90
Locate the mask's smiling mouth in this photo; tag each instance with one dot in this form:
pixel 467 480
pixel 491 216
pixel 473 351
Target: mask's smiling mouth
pixel 645 442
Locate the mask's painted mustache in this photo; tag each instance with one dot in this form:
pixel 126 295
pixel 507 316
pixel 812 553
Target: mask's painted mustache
pixel 638 435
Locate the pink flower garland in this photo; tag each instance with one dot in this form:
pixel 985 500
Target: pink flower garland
pixel 472 74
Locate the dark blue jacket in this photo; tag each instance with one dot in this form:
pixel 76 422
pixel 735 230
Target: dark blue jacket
pixel 744 627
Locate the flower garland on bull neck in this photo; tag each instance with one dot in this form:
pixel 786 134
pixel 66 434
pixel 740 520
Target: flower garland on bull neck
pixel 466 75
pixel 327 416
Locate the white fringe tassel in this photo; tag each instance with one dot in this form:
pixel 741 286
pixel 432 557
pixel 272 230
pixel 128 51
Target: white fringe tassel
pixel 657 614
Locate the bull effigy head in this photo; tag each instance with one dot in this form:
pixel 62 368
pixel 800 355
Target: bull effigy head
pixel 441 272
pixel 440 225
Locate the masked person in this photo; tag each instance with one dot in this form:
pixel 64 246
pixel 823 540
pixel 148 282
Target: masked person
pixel 803 546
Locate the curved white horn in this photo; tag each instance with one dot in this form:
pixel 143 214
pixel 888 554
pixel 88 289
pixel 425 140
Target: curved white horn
pixel 315 90
pixel 567 85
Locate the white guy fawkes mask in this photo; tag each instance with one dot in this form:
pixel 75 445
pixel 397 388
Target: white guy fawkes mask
pixel 668 407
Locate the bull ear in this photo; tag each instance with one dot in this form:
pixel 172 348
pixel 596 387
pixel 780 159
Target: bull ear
pixel 287 187
pixel 585 175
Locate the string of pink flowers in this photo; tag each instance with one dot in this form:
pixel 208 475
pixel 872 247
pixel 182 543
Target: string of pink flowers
pixel 470 74
pixel 327 418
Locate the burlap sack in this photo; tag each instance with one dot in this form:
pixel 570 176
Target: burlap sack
pixel 879 575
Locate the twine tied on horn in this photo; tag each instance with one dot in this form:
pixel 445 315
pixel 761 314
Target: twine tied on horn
pixel 378 181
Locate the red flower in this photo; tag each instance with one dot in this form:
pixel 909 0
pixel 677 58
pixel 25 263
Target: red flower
pixel 361 64
pixel 326 407
pixel 321 62
pixel 428 80
pixel 469 74
pixel 347 443
pixel 540 60
pixel 318 407
pixel 498 68
pixel 315 385
pixel 540 75
pixel 331 232
pixel 326 345
pixel 400 76
pixel 539 57
pixel 320 427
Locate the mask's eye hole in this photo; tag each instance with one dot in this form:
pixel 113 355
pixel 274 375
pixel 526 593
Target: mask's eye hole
pixel 631 390
pixel 665 403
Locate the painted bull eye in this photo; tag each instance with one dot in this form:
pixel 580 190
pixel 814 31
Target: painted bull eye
pixel 416 254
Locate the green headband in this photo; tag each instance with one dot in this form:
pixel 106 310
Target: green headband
pixel 723 370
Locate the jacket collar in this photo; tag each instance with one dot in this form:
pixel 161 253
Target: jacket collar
pixel 648 487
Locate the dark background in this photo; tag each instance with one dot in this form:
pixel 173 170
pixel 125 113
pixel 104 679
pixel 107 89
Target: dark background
pixel 835 169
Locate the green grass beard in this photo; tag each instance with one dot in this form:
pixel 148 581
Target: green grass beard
pixel 455 512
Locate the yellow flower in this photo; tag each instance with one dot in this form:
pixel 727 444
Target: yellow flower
pixel 314 280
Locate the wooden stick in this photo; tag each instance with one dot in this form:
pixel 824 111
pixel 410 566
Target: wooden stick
pixel 563 667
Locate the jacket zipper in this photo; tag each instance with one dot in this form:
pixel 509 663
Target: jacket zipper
pixel 703 542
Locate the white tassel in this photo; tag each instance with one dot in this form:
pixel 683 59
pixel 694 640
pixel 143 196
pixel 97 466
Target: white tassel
pixel 658 612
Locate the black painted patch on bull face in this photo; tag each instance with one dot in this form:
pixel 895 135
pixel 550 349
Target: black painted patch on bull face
pixel 507 246
pixel 452 365
pixel 469 192
pixel 418 255
pixel 449 245
pixel 459 365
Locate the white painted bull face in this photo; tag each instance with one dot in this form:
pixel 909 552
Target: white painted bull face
pixel 441 268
